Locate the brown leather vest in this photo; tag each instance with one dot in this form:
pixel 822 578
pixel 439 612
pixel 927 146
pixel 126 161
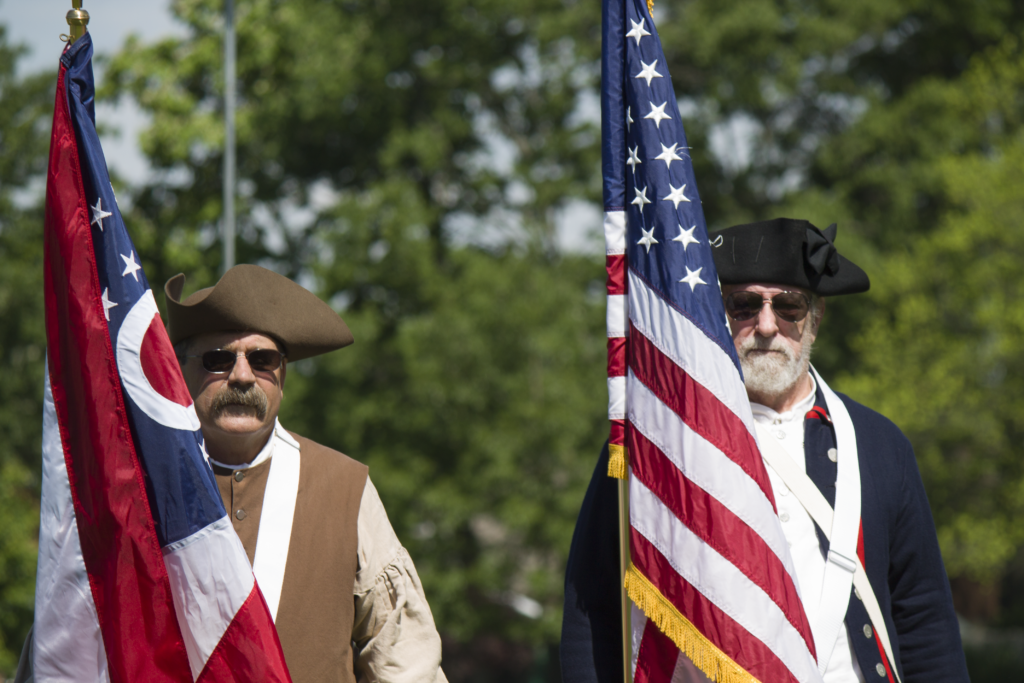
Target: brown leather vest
pixel 314 619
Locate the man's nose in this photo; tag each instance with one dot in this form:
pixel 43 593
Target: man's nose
pixel 241 373
pixel 767 325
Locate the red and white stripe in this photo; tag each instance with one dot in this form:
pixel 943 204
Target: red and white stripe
pixel 617 321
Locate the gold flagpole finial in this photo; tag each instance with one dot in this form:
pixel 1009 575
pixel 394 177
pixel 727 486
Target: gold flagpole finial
pixel 78 19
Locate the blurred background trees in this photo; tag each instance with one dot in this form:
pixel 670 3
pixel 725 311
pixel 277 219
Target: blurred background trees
pixel 432 170
pixel 26 107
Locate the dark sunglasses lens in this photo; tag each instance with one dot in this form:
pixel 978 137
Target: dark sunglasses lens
pixel 743 305
pixel 264 359
pixel 218 361
pixel 790 306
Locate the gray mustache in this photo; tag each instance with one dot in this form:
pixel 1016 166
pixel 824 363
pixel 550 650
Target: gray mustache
pixel 252 397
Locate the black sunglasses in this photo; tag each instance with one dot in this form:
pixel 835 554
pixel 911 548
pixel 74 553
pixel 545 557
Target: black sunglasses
pixel 220 361
pixel 790 306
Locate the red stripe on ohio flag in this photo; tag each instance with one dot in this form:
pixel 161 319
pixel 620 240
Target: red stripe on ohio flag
pixel 718 627
pixel 719 527
pixel 615 264
pixel 697 407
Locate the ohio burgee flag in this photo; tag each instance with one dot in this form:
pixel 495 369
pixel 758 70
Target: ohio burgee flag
pixel 710 573
pixel 140 577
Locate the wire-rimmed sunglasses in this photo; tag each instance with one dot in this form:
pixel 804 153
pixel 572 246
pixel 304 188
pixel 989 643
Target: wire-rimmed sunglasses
pixel 790 306
pixel 220 361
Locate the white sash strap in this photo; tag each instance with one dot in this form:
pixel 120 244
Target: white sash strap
pixel 843 566
pixel 842 554
pixel 275 530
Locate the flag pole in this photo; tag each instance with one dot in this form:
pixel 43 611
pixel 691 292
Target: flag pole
pixel 627 632
pixel 228 227
pixel 78 20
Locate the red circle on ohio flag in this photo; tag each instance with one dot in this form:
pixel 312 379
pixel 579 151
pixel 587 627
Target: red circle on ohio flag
pixel 160 366
pixel 149 370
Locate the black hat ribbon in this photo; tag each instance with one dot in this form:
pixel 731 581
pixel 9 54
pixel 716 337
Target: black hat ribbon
pixel 820 251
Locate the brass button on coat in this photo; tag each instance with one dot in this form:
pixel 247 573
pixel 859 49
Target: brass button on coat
pixel 833 454
pixel 239 515
pixel 239 475
pixel 880 670
pixel 867 630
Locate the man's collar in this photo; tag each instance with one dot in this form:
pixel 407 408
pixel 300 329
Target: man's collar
pixel 263 455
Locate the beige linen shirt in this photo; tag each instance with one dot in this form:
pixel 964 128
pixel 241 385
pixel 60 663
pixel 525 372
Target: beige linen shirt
pixel 394 638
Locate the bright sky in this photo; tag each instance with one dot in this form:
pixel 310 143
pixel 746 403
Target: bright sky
pixel 37 24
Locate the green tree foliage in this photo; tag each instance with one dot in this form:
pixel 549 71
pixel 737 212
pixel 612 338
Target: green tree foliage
pixel 833 96
pixel 25 110
pixel 943 352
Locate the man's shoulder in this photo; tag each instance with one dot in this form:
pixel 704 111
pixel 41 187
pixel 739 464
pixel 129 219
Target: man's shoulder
pixel 876 433
pixel 869 417
pixel 325 457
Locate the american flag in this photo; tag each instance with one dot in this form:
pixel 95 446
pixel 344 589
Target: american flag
pixel 140 576
pixel 710 573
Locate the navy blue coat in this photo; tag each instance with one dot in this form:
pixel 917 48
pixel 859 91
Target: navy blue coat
pixel 901 555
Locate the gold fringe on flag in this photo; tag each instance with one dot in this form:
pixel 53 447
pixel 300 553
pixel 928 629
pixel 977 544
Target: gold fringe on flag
pixel 715 664
pixel 618 461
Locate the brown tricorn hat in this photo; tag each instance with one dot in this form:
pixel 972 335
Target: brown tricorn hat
pixel 253 299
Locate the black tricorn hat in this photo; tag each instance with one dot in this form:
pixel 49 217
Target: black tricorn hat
pixel 253 299
pixel 786 251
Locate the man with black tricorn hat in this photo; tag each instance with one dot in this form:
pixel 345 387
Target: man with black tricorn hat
pixel 844 478
pixel 345 596
pixel 831 459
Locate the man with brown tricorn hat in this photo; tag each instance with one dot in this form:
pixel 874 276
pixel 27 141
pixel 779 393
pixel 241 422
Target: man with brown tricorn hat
pixel 843 477
pixel 345 596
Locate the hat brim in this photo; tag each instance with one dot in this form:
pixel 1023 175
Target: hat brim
pixel 253 299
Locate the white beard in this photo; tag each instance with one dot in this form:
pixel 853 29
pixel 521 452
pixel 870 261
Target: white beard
pixel 773 375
